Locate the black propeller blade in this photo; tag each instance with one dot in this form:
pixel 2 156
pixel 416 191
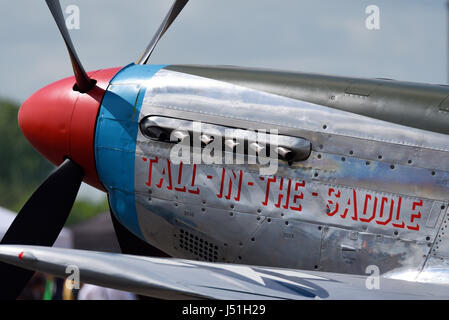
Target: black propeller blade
pixel 40 221
pixel 175 10
pixel 83 81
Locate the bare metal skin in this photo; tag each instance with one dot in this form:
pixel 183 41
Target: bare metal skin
pixel 371 192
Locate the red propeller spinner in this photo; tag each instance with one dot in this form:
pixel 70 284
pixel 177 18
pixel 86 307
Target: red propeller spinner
pixel 60 122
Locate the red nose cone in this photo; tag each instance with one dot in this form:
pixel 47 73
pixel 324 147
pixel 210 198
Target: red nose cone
pixel 60 122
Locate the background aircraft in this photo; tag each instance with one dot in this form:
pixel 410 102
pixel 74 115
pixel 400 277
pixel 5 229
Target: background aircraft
pixel 361 181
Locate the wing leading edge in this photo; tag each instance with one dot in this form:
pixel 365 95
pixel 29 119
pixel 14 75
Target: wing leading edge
pixel 169 278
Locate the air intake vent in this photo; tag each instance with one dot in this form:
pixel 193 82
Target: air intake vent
pixel 197 246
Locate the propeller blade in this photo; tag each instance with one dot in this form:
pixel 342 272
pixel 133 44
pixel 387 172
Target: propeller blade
pixel 40 221
pixel 175 10
pixel 83 81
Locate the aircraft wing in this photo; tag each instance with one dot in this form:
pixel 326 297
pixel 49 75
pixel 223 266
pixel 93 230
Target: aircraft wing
pixel 169 278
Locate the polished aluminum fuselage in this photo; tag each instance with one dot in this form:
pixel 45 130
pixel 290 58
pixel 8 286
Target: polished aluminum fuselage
pixel 372 192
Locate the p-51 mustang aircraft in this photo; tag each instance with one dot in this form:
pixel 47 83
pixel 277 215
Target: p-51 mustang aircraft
pixel 352 175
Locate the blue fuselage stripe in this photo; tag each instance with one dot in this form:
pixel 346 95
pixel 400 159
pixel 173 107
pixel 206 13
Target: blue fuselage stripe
pixel 115 140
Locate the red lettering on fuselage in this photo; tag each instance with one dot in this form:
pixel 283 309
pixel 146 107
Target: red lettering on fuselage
pixel 287 194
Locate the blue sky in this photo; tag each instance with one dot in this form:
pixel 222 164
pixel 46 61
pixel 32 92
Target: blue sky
pixel 321 36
